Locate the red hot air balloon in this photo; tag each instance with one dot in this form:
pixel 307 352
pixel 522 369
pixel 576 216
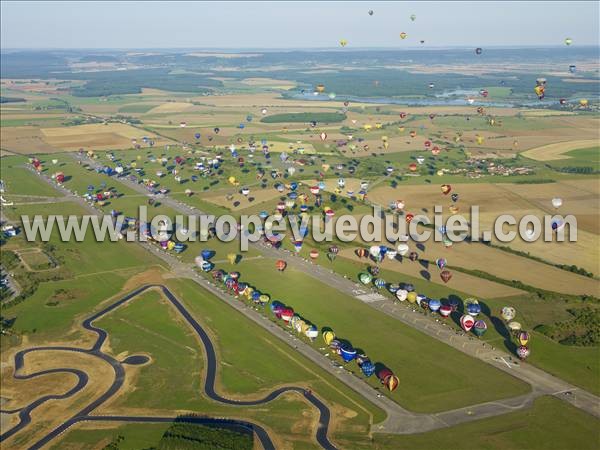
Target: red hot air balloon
pixel 445 310
pixel 435 151
pixel 467 322
pixel 445 275
pixel 361 252
pixel 281 265
pixel 391 382
pixel 427 143
pixel 522 352
pixel 413 256
pixel 412 167
pixel 409 217
pixel 446 188
pixel 60 177
pixel 403 115
pixel 314 254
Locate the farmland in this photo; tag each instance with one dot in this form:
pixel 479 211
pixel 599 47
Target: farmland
pixel 248 133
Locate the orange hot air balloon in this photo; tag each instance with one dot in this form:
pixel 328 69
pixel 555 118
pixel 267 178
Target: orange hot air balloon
pixel 281 265
pixel 391 382
pixel 435 151
pixel 320 88
pixel 446 188
pixel 412 167
pixel 314 254
pixel 413 134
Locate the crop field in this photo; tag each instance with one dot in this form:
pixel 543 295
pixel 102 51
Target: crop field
pixel 183 133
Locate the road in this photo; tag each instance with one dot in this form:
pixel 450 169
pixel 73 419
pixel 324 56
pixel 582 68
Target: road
pixel 119 377
pixel 542 383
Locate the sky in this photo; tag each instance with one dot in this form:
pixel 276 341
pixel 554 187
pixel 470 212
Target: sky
pixel 285 24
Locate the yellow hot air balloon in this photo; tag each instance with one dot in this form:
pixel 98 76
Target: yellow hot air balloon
pixel 367 127
pixel 233 180
pixel 320 88
pixel 328 336
pixel 403 35
pixel 343 42
pixel 384 138
pixel 412 297
pixel 232 258
pixel 386 144
pixel 134 165
pixel 378 125
pixel 401 129
pixel 480 139
pixel 171 245
pixel 583 102
pixel 325 167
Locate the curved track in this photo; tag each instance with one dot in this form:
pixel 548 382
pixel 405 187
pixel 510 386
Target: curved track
pixel 119 376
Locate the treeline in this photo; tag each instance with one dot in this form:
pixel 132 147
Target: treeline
pixel 579 170
pixel 190 436
pixel 101 84
pixel 582 330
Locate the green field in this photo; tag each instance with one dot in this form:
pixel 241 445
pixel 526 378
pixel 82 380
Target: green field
pixel 21 181
pixel 447 380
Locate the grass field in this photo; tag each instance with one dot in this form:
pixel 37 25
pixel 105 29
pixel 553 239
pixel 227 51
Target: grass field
pixel 355 321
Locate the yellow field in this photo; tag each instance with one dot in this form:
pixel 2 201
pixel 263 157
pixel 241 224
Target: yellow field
pixel 460 281
pixel 518 200
pixel 553 152
pixel 269 82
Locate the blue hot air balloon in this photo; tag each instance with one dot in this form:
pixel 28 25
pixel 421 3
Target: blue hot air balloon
pixel 207 254
pixel 293 195
pixel 206 266
pixel 434 304
pixel 263 214
pixel 241 126
pixel 321 185
pixel 379 283
pixel 368 368
pixel 347 352
pixel 473 309
pixel 303 208
pixel 197 135
pixel 293 185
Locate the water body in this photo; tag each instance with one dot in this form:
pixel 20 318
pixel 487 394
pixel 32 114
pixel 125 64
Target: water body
pixel 136 360
pixel 445 99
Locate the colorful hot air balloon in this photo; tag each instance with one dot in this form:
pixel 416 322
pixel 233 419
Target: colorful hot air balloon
pixel 441 263
pixel 403 35
pixel 522 352
pixel 467 322
pixel 445 310
pixel 367 368
pixel 523 338
pixel 479 328
pixel 281 265
pixel 446 188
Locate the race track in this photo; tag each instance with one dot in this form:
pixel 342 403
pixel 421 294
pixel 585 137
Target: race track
pixel 119 377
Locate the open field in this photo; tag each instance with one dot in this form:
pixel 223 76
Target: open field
pixel 557 151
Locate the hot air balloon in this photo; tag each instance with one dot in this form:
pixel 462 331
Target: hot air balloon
pixel 216 130
pixel 370 12
pixel 446 188
pixel 367 368
pixel 445 310
pixel 343 42
pixel 403 35
pixel 557 202
pixel 583 102
pixel 412 167
pixel 347 352
pixel 441 263
pixel 522 352
pixel 467 322
pixel 232 258
pixel 473 307
pixel 361 252
pixel 514 326
pixel 508 313
pixel 320 88
pixel 523 338
pixel 365 278
pixel 445 275
pixel 434 304
pixel 328 336
pixel 314 254
pixel 413 17
pixel 402 249
pixel 281 265
pixel 454 197
pixel 568 41
pixel 413 256
pixel 572 68
pixel 479 328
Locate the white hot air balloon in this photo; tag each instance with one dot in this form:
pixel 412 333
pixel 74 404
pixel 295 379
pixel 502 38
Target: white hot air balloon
pixel 375 250
pixel 403 249
pixel 557 202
